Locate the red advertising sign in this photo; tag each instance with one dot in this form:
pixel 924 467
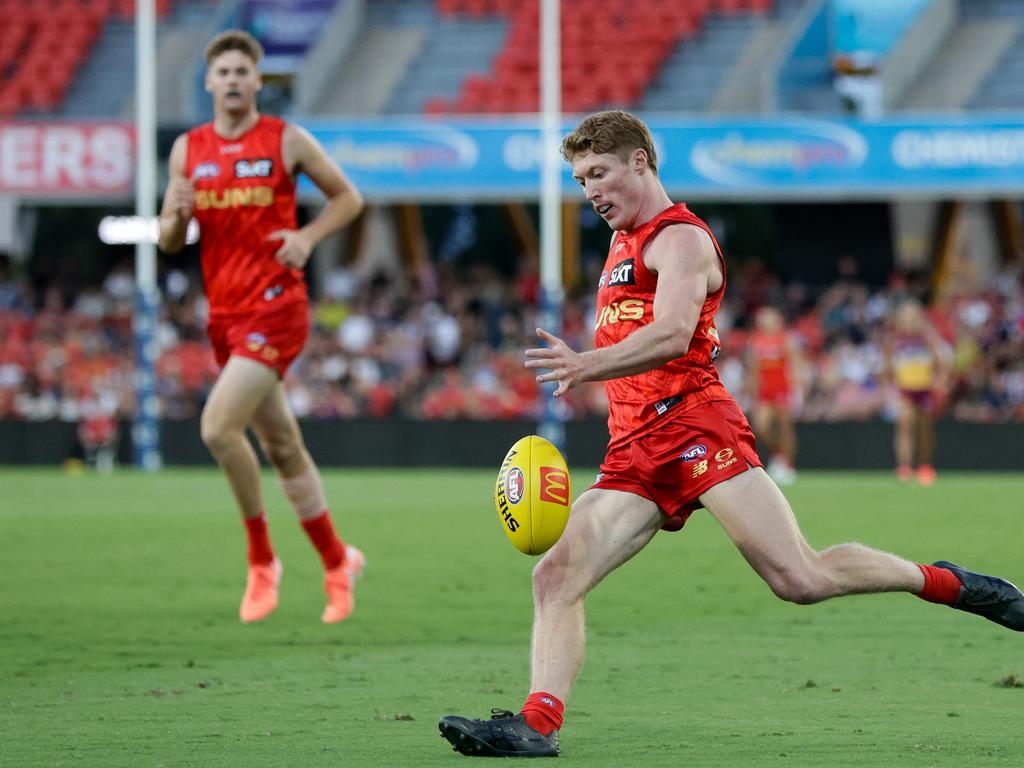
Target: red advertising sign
pixel 67 158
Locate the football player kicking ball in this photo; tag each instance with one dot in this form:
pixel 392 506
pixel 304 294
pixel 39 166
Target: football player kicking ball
pixel 237 176
pixel 678 443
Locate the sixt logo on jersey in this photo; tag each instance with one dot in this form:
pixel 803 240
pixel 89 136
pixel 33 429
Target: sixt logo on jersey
pixel 205 171
pixel 254 169
pixel 618 311
pixel 622 274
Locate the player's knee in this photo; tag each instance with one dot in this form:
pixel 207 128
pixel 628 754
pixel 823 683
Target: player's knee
pixel 800 586
pixel 552 579
pixel 210 433
pixel 281 451
pixel 215 433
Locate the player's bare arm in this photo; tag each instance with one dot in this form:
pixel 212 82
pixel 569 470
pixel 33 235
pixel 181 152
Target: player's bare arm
pixel 686 263
pixel 179 198
pixel 303 154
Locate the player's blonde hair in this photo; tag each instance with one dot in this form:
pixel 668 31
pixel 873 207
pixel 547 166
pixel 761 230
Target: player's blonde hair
pixel 234 40
pixel 610 131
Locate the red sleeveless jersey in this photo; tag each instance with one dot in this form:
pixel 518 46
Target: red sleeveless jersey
pixel 243 192
pixel 771 351
pixel 625 302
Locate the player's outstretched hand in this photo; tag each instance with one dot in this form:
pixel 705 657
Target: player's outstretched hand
pixel 565 366
pixel 294 251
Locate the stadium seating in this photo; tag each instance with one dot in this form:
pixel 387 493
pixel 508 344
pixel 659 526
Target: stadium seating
pixel 1004 86
pixel 610 52
pixel 43 44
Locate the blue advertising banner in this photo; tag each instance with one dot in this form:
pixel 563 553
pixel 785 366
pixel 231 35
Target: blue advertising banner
pixel 285 28
pixel 871 26
pixel 792 158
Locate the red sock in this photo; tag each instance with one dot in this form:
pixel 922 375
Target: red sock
pixel 543 712
pixel 260 552
pixel 940 585
pixel 321 532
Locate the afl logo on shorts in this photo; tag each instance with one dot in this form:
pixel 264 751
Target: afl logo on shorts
pixel 255 340
pixel 515 484
pixel 693 453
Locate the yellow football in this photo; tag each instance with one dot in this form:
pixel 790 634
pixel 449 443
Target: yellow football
pixel 532 495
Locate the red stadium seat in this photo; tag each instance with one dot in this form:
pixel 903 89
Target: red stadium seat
pixel 644 32
pixel 447 7
pixel 10 102
pixel 437 106
pixel 729 7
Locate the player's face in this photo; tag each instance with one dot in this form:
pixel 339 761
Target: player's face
pixel 611 185
pixel 768 320
pixel 909 318
pixel 233 81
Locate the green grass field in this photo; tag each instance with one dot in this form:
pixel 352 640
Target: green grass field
pixel 121 644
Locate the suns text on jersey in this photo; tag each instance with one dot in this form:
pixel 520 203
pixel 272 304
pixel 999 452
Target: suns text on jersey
pixel 619 311
pixel 235 197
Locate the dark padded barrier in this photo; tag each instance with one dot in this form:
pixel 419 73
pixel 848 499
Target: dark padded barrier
pixel 406 443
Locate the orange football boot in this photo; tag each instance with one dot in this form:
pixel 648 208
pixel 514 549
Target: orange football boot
pixel 260 598
pixel 926 474
pixel 340 586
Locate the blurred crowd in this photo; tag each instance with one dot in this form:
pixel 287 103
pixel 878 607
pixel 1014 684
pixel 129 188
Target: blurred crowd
pixel 448 345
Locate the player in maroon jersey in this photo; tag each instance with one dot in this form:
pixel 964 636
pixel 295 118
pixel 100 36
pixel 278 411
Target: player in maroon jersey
pixel 237 177
pixel 678 443
pixel 917 365
pixel 773 367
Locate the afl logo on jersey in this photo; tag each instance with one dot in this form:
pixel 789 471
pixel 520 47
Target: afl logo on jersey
pixel 205 171
pixel 254 169
pixel 622 274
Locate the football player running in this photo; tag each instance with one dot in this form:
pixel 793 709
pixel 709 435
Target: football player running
pixel 237 176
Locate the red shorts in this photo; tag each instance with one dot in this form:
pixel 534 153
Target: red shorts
pixel 685 456
pixel 274 336
pixel 776 398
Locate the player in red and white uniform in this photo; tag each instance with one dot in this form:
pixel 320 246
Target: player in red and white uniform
pixel 678 443
pixel 773 367
pixel 237 177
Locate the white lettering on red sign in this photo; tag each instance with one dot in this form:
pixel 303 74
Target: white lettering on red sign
pixel 66 158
